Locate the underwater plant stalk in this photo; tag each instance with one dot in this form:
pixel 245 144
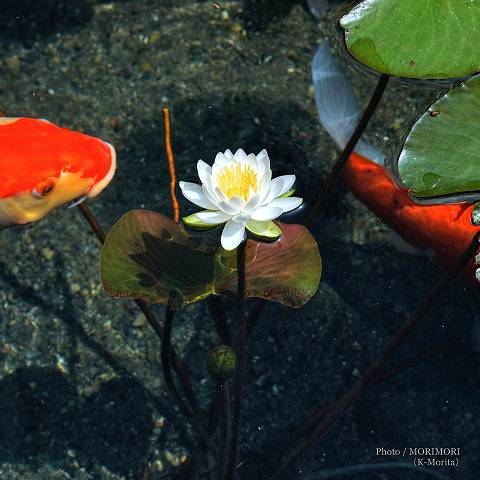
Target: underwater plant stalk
pixel 353 470
pixel 166 355
pixel 166 365
pixel 223 401
pixel 387 374
pixel 255 312
pixel 217 312
pixel 179 368
pixel 311 421
pixel 240 368
pixel 324 193
pixel 328 418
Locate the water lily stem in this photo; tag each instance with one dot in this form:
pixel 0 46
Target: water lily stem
pixel 223 402
pixel 255 312
pixel 240 368
pixel 219 316
pixel 326 418
pixel 324 193
pixel 93 222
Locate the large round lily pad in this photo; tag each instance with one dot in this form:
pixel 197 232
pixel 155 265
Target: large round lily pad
pixel 147 255
pixel 425 39
pixel 441 154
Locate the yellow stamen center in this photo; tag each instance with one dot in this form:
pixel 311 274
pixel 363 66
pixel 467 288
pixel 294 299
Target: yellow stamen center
pixel 237 180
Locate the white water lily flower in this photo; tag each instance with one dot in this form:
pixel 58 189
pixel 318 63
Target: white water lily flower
pixel 239 190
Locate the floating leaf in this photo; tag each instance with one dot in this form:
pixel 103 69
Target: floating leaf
pixel 441 154
pixel 427 39
pixel 147 255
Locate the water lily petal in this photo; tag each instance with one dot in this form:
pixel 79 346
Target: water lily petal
pixel 220 195
pixel 241 217
pixel 221 160
pixel 252 202
pixel 204 170
pixel 216 170
pixel 233 234
pixel 236 202
pixel 228 153
pixel 228 209
pixel 278 186
pixel 240 155
pixel 263 161
pixel 194 222
pixel 252 161
pixel 286 204
pixel 263 186
pixel 213 217
pixel 209 193
pixel 196 195
pixel 266 213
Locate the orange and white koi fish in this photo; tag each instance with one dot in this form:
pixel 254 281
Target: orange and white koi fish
pixel 445 230
pixel 43 166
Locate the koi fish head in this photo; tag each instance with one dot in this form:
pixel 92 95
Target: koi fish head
pixel 43 166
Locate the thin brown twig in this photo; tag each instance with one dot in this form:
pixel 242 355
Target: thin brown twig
pixel 344 401
pixel 171 162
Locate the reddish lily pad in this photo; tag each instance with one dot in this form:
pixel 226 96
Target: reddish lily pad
pixel 149 256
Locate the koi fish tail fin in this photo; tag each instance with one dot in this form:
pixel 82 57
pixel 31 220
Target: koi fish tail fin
pixel 337 103
pixel 317 7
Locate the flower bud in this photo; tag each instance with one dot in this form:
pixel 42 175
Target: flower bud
pixel 221 362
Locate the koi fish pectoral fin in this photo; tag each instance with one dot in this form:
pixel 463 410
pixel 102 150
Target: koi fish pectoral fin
pixel 337 103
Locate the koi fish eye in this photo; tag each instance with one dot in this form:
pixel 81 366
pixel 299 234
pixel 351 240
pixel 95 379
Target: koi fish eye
pixel 43 188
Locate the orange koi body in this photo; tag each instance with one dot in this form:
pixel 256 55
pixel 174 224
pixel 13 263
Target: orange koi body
pixel 43 166
pixel 445 229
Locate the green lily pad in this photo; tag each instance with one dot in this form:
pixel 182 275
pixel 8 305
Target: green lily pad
pixel 424 39
pixel 441 154
pixel 148 256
